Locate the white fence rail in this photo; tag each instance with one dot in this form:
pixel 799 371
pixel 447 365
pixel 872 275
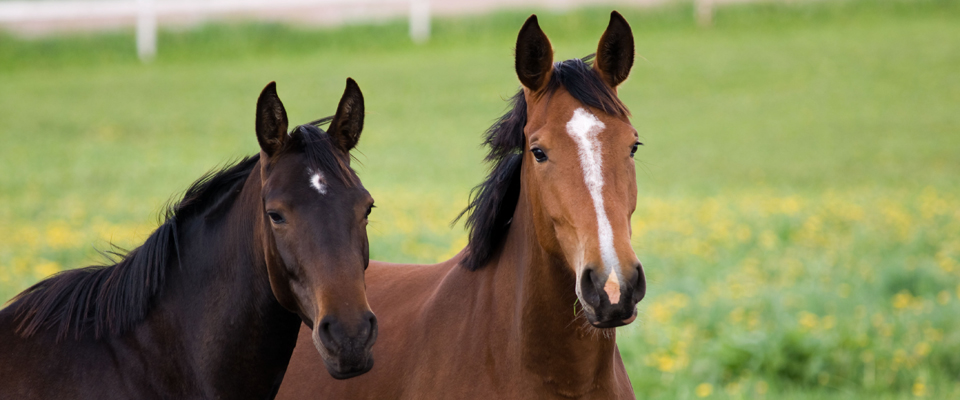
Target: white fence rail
pixel 146 13
pixel 47 15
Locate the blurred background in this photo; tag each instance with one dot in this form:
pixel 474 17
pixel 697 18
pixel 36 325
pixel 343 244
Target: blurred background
pixel 799 207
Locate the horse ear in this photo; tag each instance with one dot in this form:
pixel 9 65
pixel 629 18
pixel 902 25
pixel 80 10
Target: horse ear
pixel 347 123
pixel 534 56
pixel 271 120
pixel 615 52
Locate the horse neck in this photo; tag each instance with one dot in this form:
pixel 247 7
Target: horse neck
pixel 236 337
pixel 554 342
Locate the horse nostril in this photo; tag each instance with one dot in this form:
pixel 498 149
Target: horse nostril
pixel 635 278
pixel 588 287
pixel 371 330
pixel 364 329
pixel 325 332
pixel 639 284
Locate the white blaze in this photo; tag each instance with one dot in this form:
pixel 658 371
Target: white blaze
pixel 317 181
pixel 584 128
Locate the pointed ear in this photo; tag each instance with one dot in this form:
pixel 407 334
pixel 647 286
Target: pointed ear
pixel 271 120
pixel 347 123
pixel 534 56
pixel 615 52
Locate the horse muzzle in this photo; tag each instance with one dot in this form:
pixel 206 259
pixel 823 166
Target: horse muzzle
pixel 595 296
pixel 346 352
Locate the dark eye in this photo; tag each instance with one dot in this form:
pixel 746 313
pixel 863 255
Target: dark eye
pixel 633 150
pixel 369 210
pixel 539 155
pixel 275 217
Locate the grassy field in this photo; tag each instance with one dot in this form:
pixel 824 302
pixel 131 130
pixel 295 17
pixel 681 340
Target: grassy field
pixel 799 210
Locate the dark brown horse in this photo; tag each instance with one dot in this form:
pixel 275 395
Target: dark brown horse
pixel 210 305
pixel 550 228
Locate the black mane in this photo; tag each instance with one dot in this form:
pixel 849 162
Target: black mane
pixel 493 202
pixel 111 299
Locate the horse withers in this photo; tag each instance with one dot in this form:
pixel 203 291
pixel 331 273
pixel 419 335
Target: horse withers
pixel 210 305
pixel 549 234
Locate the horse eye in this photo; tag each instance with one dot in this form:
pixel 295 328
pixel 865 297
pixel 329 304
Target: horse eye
pixel 633 150
pixel 539 155
pixel 369 210
pixel 275 217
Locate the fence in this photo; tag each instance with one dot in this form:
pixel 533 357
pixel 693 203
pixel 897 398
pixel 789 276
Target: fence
pixel 146 13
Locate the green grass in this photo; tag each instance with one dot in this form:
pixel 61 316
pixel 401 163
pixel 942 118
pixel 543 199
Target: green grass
pixel 798 215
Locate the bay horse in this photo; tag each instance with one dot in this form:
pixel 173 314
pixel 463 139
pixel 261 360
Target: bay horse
pixel 210 305
pixel 549 231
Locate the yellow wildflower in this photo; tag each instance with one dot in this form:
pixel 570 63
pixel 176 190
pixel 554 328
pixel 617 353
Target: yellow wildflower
pixel 932 334
pixel 902 300
pixel 60 236
pixel 736 316
pixel 665 306
pixel 829 322
pixel 768 239
pixel 919 388
pixel 46 269
pixel 877 320
pixel 921 349
pixel 790 205
pixel 666 363
pixel 761 388
pixel 704 390
pixel 943 297
pixel 743 233
pixel 886 331
pixel 808 320
pixel 753 322
pixel 899 358
pixel 946 263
